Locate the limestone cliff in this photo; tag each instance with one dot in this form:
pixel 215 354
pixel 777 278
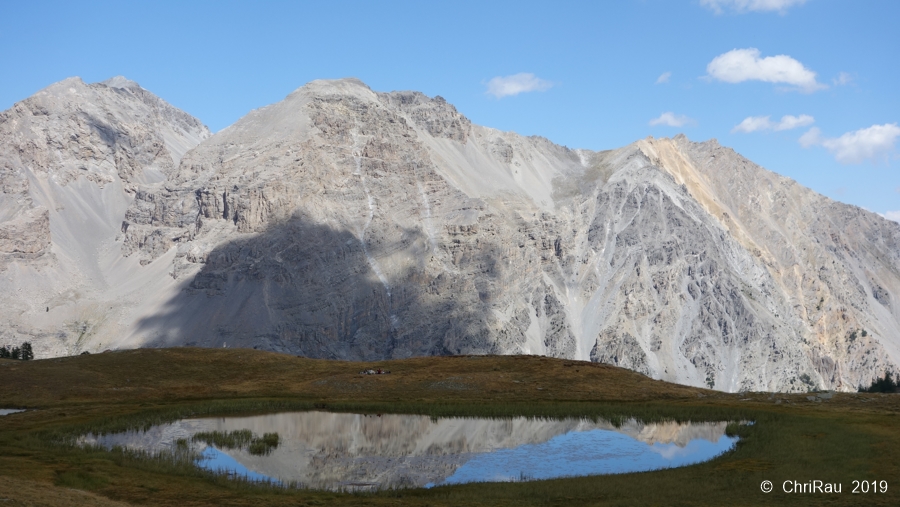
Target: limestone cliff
pixel 71 159
pixel 345 223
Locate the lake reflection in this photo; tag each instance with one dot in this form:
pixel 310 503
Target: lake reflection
pixel 325 450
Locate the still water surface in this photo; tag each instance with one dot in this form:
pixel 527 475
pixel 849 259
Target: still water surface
pixel 335 451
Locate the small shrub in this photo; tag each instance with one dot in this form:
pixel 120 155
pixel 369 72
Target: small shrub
pixel 259 448
pixel 224 439
pixel 271 439
pixel 263 446
pixel 885 384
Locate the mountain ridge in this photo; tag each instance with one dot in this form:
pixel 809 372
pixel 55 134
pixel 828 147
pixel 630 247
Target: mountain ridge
pixel 353 224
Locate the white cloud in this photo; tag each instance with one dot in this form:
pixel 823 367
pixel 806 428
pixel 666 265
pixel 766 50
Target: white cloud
pixel 854 147
pixel 523 82
pixel 663 78
pixel 670 119
pixel 788 122
pixel 892 215
pixel 812 137
pixel 752 124
pixel 740 65
pixel 742 6
pixel 842 79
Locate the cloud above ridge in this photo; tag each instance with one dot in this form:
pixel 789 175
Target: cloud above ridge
pixel 739 65
pixel 757 123
pixel 510 86
pixel 670 119
pixel 744 6
pixel 871 143
pixel 843 78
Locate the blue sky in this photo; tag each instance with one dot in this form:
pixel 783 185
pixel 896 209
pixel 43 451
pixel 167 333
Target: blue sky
pixel 595 75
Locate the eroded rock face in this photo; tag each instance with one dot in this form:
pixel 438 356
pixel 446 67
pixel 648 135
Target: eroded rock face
pixel 27 233
pixel 344 223
pixel 71 159
pixel 831 264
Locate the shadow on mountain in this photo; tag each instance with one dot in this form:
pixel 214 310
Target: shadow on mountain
pixel 306 288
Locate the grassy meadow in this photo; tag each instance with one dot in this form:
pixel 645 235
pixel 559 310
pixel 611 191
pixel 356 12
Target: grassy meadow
pixel 836 440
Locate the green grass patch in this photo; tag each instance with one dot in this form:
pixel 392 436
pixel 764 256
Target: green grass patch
pixel 840 439
pixel 239 439
pixel 80 479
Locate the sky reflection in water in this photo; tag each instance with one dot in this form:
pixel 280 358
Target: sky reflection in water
pixel 324 450
pixel 593 452
pixel 218 461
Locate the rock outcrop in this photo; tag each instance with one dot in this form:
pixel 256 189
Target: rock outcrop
pixel 345 223
pixel 71 159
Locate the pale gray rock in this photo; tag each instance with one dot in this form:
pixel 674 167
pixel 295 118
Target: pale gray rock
pixel 27 233
pixel 72 158
pixel 345 223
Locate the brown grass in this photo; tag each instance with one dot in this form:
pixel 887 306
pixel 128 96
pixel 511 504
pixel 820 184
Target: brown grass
pixel 847 437
pixel 189 373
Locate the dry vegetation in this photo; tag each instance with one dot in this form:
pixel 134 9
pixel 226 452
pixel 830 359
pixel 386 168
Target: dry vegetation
pixel 847 437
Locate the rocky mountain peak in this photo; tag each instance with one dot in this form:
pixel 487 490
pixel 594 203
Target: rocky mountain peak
pixel 69 85
pixel 347 223
pixel 71 159
pixel 349 86
pixel 121 82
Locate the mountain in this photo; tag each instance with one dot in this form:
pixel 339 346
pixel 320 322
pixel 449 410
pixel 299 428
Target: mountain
pixel 72 158
pixel 345 223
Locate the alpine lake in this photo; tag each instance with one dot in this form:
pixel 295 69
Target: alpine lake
pixel 351 452
pixel 195 427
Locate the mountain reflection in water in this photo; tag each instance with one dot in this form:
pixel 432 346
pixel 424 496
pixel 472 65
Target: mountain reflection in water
pixel 326 450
